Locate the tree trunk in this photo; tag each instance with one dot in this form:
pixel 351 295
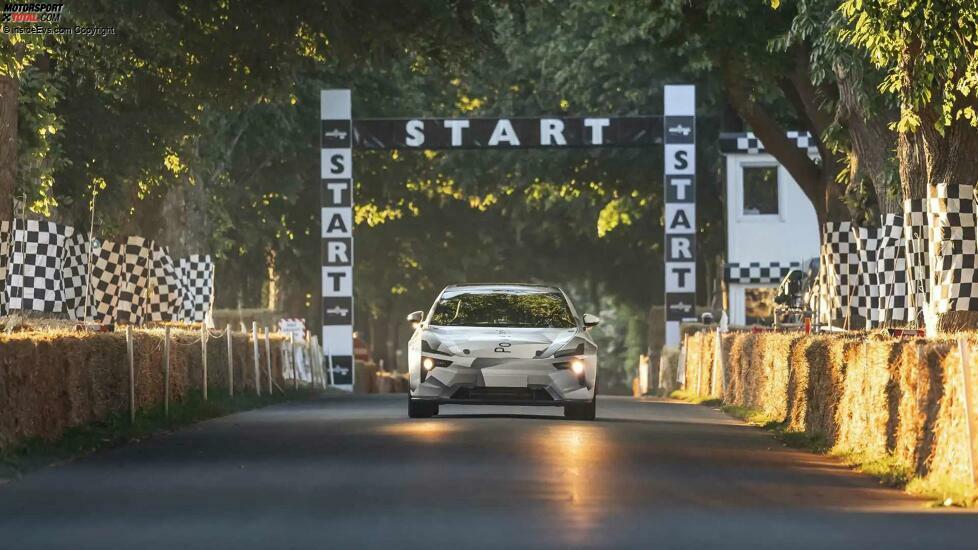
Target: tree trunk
pixel 913 165
pixel 9 91
pixel 872 141
pixel 274 300
pixel 952 159
pixel 185 226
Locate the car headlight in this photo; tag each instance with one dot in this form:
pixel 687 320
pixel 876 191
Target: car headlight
pixel 577 366
pixel 430 363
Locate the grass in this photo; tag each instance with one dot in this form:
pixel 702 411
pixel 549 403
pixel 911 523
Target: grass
pixel 117 430
pixel 689 397
pixel 887 469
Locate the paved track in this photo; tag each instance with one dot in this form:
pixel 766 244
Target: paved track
pixel 354 472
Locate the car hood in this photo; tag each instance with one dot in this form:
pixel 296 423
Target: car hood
pixel 509 343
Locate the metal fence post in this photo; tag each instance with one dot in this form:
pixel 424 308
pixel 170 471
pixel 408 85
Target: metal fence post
pixel 268 363
pixel 166 372
pixel 969 400
pixel 203 356
pixel 230 364
pixel 254 347
pixel 132 374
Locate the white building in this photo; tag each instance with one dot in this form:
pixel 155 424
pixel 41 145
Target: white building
pixel 771 225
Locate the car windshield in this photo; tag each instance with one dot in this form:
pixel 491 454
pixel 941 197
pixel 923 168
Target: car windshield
pixel 503 309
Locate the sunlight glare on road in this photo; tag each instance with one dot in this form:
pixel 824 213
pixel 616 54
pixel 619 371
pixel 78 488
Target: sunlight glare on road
pixel 576 453
pixel 431 431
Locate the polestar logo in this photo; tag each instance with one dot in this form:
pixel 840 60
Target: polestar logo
pixel 337 310
pixel 338 134
pixel 679 129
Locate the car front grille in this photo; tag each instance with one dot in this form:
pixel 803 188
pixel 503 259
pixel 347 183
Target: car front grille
pixel 502 394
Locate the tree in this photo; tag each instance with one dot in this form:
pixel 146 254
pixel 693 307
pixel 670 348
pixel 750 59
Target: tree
pixel 927 50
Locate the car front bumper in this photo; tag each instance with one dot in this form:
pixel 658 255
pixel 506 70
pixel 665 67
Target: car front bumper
pixel 513 382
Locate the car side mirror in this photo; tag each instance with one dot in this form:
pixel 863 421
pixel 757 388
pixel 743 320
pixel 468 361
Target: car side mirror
pixel 416 317
pixel 591 320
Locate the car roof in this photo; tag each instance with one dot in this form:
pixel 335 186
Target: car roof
pixel 501 287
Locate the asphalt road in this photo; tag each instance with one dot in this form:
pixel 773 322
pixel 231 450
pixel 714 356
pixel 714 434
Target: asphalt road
pixel 355 472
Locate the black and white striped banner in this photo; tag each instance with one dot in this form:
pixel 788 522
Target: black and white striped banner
pixel 679 127
pixel 337 235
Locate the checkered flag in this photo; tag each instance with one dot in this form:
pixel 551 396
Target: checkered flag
pixel 895 308
pixel 4 252
pixel 74 274
pixel 106 281
pixel 840 265
pixel 867 297
pixel 165 301
pixel 953 248
pixel 197 279
pixel 33 279
pixel 135 280
pixel 916 237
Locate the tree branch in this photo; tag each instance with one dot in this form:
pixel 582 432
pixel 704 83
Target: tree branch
pixel 772 135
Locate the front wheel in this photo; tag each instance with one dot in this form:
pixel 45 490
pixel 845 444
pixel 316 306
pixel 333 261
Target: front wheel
pixel 581 411
pixel 418 408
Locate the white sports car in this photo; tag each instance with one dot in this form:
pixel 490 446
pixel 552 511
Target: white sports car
pixel 507 344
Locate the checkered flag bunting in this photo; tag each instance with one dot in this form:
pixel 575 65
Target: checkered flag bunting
pixel 33 278
pixel 895 306
pixel 747 142
pixel 758 272
pixel 953 244
pixel 197 278
pixel 166 297
pixel 916 238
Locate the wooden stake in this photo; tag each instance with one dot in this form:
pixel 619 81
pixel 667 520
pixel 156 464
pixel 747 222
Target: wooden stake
pixel 230 364
pixel 969 400
pixel 203 356
pixel 132 374
pixel 295 370
pixel 268 362
pixel 307 351
pixel 254 347
pixel 166 372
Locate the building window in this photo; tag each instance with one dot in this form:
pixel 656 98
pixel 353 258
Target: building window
pixel 760 190
pixel 759 305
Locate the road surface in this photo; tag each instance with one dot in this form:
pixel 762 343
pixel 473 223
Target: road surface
pixel 354 472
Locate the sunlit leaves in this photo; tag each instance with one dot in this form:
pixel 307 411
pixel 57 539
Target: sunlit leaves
pixel 928 50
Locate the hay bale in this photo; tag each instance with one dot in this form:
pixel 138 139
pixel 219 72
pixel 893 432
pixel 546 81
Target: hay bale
pixel 52 380
pixel 863 412
pixel 950 458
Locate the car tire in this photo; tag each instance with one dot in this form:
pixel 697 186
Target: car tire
pixel 421 409
pixel 582 411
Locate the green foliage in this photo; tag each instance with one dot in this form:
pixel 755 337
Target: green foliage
pixel 927 50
